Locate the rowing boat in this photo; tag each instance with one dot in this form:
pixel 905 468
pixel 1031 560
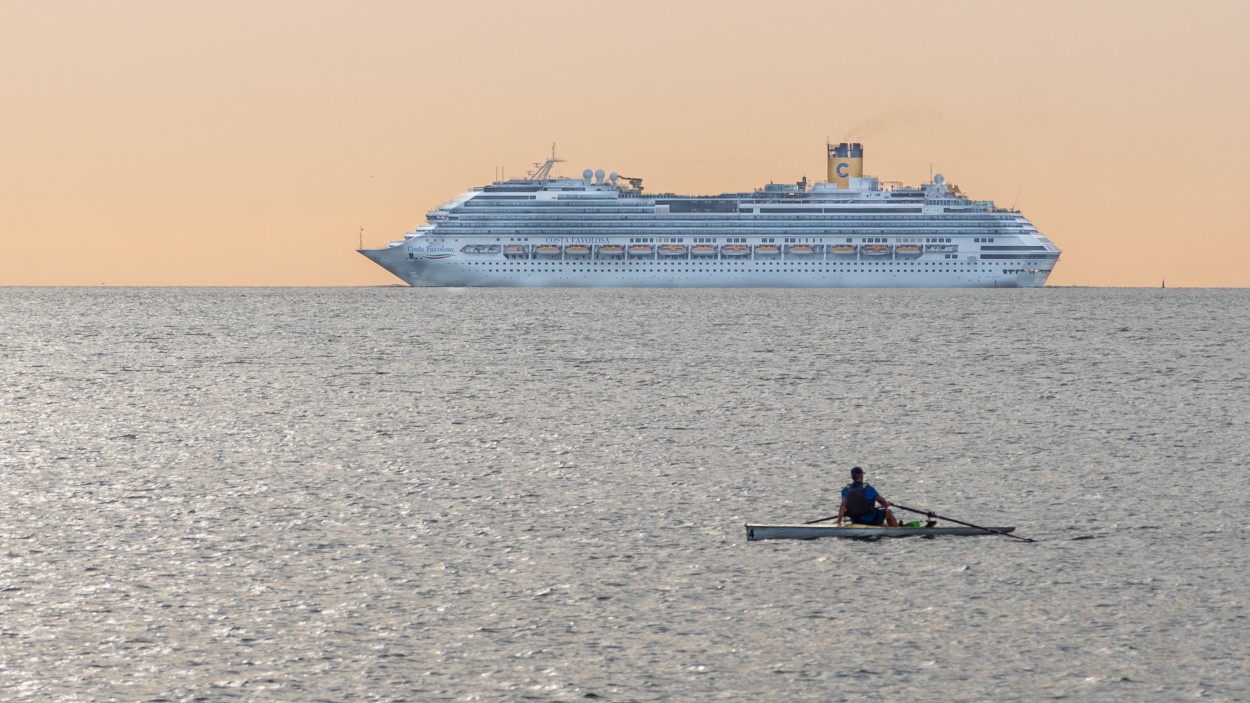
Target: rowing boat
pixel 756 532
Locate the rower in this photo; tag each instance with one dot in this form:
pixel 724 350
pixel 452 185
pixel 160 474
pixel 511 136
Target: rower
pixel 859 500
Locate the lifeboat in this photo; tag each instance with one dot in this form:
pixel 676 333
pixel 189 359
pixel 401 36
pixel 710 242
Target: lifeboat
pixel 611 250
pixel 767 250
pixel 735 250
pixel 672 250
pixel 843 249
pixel 800 250
pixel 703 250
pixel 638 251
pixel 515 251
pixel 547 250
pixel 577 250
pixel 876 249
pixel 907 250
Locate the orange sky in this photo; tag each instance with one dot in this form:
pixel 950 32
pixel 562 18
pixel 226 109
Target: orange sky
pixel 246 143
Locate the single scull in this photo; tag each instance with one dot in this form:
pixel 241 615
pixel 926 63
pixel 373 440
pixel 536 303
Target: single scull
pixel 757 532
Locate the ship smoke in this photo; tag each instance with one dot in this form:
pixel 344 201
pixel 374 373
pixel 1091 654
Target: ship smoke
pixel 900 118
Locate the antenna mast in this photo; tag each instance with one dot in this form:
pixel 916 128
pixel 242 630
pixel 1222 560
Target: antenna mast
pixel 543 171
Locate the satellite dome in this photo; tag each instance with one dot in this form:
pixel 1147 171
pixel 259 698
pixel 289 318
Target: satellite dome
pixel 939 179
pixel 587 174
pixel 599 175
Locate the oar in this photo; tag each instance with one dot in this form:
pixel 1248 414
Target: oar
pixel 813 522
pixel 929 513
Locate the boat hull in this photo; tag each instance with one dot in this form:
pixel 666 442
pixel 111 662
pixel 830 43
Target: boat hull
pixel 461 271
pixel 758 532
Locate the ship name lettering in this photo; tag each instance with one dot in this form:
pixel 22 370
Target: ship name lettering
pixel 577 240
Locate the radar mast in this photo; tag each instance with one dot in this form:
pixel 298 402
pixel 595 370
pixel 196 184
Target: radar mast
pixel 543 170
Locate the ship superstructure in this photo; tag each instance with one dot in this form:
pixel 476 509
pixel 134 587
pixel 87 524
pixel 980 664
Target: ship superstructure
pixel 602 230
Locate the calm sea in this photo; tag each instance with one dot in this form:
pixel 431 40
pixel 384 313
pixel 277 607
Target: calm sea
pixel 394 494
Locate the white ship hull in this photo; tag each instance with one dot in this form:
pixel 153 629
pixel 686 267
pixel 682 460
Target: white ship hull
pixel 466 272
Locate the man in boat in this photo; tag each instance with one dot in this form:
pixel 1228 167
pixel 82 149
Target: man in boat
pixel 859 501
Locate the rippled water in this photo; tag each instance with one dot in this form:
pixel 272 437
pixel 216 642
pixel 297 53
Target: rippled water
pixel 500 495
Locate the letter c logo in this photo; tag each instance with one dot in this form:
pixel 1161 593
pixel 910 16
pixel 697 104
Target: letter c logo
pixel 840 169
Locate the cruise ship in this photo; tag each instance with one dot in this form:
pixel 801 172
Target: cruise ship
pixel 852 231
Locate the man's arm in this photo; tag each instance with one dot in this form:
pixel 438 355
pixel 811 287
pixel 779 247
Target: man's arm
pixel 842 510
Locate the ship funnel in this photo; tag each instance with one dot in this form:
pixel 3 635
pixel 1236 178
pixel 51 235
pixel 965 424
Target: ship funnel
pixel 846 161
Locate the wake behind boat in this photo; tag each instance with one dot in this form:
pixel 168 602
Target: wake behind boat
pixel 809 531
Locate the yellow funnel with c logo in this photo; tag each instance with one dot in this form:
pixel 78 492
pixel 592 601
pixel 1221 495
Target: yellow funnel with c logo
pixel 846 161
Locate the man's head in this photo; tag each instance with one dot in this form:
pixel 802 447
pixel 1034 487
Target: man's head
pixel 857 474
